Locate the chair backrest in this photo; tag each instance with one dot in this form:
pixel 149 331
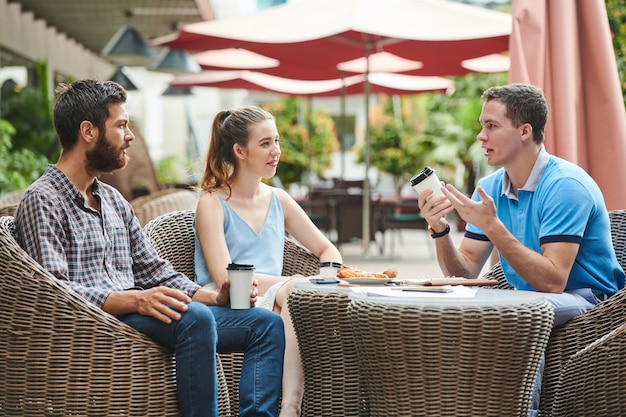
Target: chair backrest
pixel 618 235
pixel 141 200
pixel 12 197
pixel 172 236
pixel 152 208
pixel 8 210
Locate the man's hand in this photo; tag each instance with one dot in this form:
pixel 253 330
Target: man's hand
pixel 434 208
pixel 163 303
pixel 481 214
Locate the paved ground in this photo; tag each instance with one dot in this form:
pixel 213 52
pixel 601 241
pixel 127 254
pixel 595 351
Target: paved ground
pixel 412 252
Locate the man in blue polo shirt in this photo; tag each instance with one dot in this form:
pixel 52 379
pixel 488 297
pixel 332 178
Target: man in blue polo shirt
pixel 545 216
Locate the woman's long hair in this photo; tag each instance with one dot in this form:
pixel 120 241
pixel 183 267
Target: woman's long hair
pixel 229 127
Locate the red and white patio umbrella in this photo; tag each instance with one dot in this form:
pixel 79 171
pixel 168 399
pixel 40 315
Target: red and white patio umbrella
pixel 310 38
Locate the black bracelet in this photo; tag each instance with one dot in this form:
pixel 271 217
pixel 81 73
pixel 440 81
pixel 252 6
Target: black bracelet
pixel 436 235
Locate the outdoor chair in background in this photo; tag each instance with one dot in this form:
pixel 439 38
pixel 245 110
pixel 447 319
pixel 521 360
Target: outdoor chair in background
pixel 590 342
pixel 320 208
pixel 61 355
pixel 172 236
pixel 151 206
pixel 141 200
pixel 397 214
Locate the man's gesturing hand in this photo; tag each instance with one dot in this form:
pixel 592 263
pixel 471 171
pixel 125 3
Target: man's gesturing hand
pixel 479 213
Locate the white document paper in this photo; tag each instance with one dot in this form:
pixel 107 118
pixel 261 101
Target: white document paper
pixel 458 291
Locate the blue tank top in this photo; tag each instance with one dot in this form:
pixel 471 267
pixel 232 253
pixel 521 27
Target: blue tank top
pixel 264 250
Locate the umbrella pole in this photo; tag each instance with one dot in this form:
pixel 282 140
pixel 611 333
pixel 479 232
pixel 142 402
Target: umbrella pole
pixel 366 158
pixel 342 126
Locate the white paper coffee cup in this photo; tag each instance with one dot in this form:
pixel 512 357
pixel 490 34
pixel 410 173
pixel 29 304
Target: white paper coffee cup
pixel 329 269
pixel 241 277
pixel 426 180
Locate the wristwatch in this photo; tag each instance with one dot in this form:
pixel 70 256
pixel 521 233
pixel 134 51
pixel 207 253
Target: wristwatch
pixel 435 235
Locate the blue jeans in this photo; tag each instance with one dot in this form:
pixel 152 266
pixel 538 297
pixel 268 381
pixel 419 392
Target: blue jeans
pixel 200 333
pixel 566 306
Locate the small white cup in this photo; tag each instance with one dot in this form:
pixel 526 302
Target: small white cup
pixel 241 276
pixel 425 180
pixel 329 269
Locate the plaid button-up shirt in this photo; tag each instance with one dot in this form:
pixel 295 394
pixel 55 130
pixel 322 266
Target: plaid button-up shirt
pixel 96 253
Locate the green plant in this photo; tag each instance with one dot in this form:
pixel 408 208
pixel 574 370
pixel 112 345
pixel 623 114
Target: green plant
pixel 616 11
pixel 175 170
pixel 394 144
pixel 30 113
pixel 19 167
pixel 307 139
pixel 433 129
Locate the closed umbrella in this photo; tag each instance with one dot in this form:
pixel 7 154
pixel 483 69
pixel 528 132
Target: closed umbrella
pixel 565 48
pixel 311 37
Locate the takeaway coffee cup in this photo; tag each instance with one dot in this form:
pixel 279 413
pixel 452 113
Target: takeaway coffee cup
pixel 329 269
pixel 241 276
pixel 426 179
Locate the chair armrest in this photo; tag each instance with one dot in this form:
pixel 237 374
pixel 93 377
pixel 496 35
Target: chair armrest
pixel 496 272
pixel 299 260
pixel 592 380
pixel 578 333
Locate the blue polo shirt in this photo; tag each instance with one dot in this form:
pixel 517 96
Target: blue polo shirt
pixel 560 202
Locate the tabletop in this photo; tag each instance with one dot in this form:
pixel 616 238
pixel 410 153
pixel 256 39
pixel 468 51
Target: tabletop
pixel 483 296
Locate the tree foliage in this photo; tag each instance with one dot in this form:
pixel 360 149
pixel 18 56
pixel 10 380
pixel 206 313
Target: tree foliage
pixel 308 139
pixel 616 10
pixel 19 167
pixel 29 111
pixel 431 129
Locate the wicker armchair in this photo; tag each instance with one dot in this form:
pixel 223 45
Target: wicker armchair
pixel 8 210
pixel 60 355
pixel 592 379
pixel 569 340
pixel 151 206
pixel 172 236
pixel 10 198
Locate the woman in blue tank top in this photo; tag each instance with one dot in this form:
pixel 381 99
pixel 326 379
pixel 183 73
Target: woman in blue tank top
pixel 240 219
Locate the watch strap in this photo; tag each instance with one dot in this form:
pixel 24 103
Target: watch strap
pixel 436 235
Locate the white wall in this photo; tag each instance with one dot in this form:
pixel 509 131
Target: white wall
pixel 31 39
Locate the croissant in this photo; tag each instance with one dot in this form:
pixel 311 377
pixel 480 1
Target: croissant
pixel 352 272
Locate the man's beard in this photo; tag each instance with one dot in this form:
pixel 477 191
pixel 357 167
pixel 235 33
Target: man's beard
pixel 105 158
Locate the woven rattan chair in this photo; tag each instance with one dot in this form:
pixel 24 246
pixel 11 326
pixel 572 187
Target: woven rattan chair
pixel 593 378
pixel 583 330
pixel 60 355
pixel 151 206
pixel 460 359
pixel 8 210
pixel 173 238
pixel 10 198
pixel 142 199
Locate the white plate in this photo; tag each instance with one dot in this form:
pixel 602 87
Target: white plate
pixel 367 281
